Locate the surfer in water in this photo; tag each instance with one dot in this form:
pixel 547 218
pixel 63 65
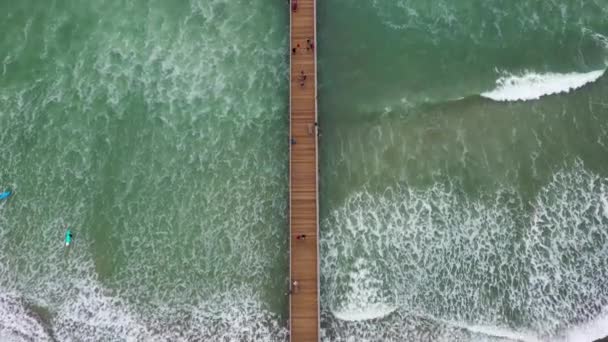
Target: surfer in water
pixel 6 194
pixel 68 238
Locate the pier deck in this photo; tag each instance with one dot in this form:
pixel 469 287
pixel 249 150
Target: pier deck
pixel 303 175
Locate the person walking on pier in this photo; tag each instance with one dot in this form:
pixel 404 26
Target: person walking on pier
pixel 301 237
pixel 302 78
pixel 295 287
pixel 294 5
pixel 310 45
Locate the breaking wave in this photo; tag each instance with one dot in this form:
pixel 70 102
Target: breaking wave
pixel 91 312
pixel 498 265
pixel 532 86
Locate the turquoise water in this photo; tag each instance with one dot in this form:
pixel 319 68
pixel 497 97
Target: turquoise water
pixel 464 170
pixel 156 132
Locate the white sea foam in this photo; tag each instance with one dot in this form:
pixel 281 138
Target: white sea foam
pixel 601 39
pixel 183 74
pixel 483 332
pixel 445 258
pixel 365 299
pixel 17 323
pixel 364 313
pixel 83 309
pixel 589 331
pixel 532 86
pixel 90 316
pixel 94 316
pixel 499 332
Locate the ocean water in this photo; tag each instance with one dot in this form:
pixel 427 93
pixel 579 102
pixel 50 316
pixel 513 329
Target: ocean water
pixel 464 170
pixel 156 131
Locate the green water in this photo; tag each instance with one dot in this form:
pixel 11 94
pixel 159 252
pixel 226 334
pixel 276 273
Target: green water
pixel 450 213
pixel 155 131
pixel 457 202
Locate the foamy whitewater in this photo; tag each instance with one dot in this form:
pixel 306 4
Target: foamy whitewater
pixel 155 132
pixel 468 269
pixel 464 170
pixel 532 86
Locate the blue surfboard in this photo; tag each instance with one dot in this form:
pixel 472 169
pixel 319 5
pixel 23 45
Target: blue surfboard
pixel 5 194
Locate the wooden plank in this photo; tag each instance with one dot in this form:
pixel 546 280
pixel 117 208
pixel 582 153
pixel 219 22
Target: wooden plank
pixel 303 174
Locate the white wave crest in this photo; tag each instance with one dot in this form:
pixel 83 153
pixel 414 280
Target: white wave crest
pixel 372 311
pixel 532 86
pixel 365 300
pixel 91 314
pixel 17 322
pixel 589 331
pixel 443 258
pixel 495 332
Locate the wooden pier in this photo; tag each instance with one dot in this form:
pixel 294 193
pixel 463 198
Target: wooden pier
pixel 303 174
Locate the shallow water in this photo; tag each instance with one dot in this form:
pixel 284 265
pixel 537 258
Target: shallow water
pixel 156 133
pixel 464 172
